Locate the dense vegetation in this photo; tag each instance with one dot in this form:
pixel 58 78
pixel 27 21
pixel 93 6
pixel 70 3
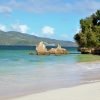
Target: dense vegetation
pixel 17 38
pixel 89 35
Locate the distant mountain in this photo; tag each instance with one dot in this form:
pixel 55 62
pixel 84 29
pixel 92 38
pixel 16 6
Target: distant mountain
pixel 17 38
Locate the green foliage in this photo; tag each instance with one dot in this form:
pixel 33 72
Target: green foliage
pixel 80 39
pixel 89 36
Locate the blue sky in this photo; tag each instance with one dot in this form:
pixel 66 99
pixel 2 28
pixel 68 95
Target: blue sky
pixel 58 19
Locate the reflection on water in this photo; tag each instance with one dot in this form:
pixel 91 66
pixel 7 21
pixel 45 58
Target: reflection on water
pixel 21 73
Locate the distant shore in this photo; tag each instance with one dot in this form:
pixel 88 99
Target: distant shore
pixel 83 92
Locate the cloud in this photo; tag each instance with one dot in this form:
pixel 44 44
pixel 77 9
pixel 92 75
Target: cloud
pixel 36 34
pixel 40 6
pixel 3 27
pixel 20 28
pixel 78 29
pixel 86 6
pixel 33 33
pixel 23 28
pixel 64 36
pixel 48 30
pixel 8 7
pixel 5 9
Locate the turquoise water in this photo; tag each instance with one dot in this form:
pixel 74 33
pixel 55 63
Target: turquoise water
pixel 21 73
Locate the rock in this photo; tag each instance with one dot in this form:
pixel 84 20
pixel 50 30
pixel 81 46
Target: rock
pixel 57 51
pixel 60 50
pixel 85 50
pixel 41 49
pixel 96 51
pixel 52 50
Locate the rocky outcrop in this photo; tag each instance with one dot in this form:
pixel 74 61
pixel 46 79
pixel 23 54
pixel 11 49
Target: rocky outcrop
pixel 85 50
pixel 96 51
pixel 57 51
pixel 52 51
pixel 42 50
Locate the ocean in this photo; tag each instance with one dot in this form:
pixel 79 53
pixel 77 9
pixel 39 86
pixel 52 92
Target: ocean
pixel 22 73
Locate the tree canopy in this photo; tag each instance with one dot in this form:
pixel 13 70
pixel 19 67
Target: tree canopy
pixel 89 36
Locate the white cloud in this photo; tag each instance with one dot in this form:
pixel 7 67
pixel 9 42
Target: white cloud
pixel 48 30
pixel 3 27
pixel 64 36
pixel 33 33
pixel 78 30
pixel 50 6
pixel 20 28
pixel 5 9
pixel 86 6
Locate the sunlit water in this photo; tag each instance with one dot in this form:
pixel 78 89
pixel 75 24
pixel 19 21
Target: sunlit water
pixel 21 73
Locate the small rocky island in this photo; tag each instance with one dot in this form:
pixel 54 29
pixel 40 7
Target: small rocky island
pixel 42 50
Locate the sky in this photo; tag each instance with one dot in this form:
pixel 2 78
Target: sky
pixel 56 19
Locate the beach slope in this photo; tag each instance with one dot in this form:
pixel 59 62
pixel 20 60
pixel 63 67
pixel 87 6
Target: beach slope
pixel 83 92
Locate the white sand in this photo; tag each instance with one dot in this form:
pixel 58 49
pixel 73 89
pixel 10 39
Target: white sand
pixel 82 92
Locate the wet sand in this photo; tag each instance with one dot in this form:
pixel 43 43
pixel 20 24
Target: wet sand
pixel 83 92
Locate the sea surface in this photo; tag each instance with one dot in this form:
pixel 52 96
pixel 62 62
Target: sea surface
pixel 22 73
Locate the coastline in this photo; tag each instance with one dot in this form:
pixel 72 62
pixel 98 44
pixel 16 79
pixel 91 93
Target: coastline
pixel 41 77
pixel 89 91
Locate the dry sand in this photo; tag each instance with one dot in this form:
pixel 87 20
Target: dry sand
pixel 83 92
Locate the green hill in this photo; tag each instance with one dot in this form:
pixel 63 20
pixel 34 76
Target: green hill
pixel 17 38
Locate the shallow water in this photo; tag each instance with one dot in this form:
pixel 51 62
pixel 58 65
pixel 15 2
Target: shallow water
pixel 21 73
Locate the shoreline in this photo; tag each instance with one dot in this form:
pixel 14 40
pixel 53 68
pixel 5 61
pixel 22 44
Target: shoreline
pixel 19 96
pixel 89 91
pixel 28 94
pixel 44 78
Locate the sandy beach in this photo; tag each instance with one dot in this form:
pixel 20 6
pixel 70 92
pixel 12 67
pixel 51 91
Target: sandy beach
pixel 83 92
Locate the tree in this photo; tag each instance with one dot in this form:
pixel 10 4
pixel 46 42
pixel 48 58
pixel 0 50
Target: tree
pixel 89 36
